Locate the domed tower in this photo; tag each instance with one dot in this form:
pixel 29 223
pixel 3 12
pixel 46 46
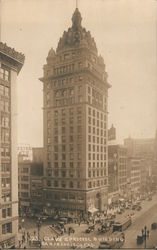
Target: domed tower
pixel 75 124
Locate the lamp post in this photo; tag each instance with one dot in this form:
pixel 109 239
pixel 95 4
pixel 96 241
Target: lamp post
pixel 39 222
pixel 145 235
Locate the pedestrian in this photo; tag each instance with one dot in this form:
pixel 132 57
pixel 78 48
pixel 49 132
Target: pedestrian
pixel 34 232
pixel 29 242
pixel 19 244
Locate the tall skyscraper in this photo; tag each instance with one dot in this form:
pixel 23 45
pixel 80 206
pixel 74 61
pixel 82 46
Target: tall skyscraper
pixel 11 63
pixel 75 124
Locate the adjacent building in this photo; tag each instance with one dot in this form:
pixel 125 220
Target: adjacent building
pixel 117 170
pixel 141 156
pixel 30 181
pixel 134 167
pixel 24 169
pixel 11 63
pixel 154 167
pixel 143 148
pixel 75 125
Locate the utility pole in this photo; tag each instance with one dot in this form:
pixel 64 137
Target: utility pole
pixel 145 235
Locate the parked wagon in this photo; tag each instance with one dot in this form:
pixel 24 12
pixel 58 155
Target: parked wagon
pixel 139 239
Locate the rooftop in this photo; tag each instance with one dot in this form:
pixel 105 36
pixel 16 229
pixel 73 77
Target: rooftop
pixel 18 57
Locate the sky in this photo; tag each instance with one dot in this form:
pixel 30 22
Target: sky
pixel 125 32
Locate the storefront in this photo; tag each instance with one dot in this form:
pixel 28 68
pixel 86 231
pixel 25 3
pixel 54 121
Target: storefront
pixel 8 243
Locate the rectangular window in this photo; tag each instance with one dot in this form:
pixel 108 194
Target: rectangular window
pixel 6 91
pixel 63 165
pixel 71 164
pixel 55 183
pixel 89 173
pixel 89 184
pixel 7 228
pixel 3 213
pixel 4 74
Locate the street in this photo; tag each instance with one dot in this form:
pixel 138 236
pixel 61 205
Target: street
pixel 142 218
pixel 145 218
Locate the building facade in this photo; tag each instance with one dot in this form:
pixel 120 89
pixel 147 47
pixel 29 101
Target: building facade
pixel 143 151
pixel 143 148
pixel 30 184
pixel 11 63
pixel 134 167
pixel 24 170
pixel 75 124
pixel 117 168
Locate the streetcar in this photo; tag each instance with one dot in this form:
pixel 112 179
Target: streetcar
pixel 122 225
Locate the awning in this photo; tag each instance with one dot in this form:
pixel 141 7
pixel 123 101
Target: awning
pixel 121 200
pixel 92 210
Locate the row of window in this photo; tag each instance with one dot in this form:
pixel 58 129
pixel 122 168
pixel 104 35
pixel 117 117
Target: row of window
pixel 67 121
pixel 71 138
pixel 97 123
pixel 24 194
pixel 64 69
pixel 64 196
pixel 64 92
pixel 98 164
pixel 96 173
pixel 64 173
pixel 96 157
pixel 23 186
pixel 24 178
pixel 97 148
pixel 36 193
pixel 63 184
pixel 64 164
pixel 65 129
pixel 98 140
pixel 24 170
pixel 97 131
pixel 64 147
pixel 98 183
pixel 64 112
pixel 64 82
pixel 96 114
pixel 67 101
pixel 64 156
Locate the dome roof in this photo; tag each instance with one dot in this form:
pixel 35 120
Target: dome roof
pixel 76 35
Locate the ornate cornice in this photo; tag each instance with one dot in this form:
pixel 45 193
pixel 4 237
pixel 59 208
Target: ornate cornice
pixel 12 53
